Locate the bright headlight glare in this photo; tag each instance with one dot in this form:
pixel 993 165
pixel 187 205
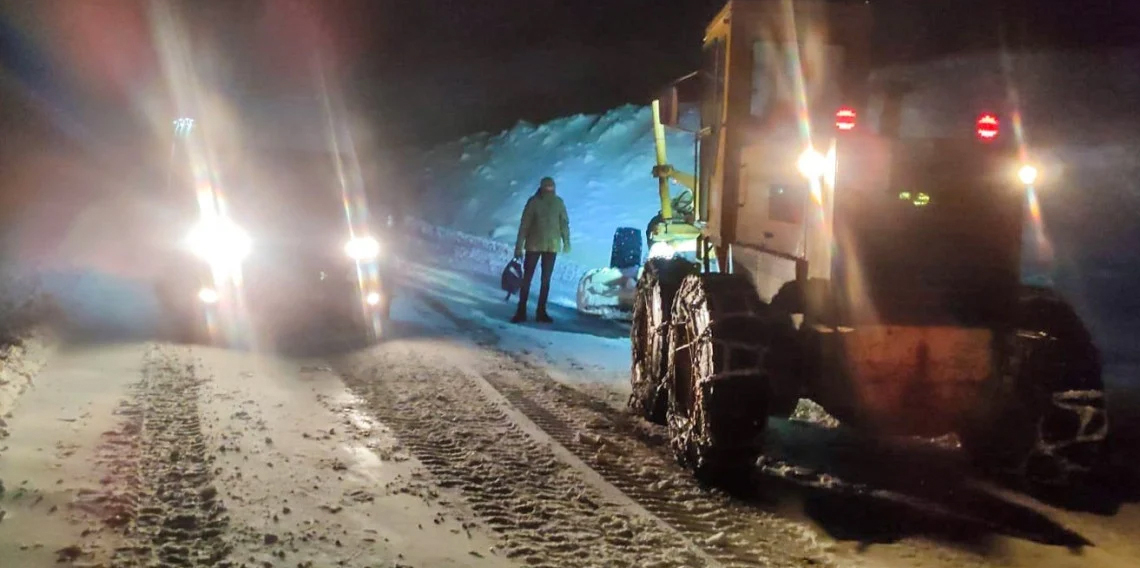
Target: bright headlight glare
pixel 662 250
pixel 1027 174
pixel 208 296
pixel 362 248
pixel 219 241
pixel 373 298
pixel 812 164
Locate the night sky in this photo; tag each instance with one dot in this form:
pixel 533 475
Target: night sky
pixel 425 71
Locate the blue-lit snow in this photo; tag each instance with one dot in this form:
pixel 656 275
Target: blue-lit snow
pixel 602 163
pixel 461 272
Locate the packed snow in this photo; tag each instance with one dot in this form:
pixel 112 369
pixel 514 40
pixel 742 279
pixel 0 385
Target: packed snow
pixel 462 272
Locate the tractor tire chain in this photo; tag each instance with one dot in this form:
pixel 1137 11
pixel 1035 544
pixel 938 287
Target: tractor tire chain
pixel 720 337
pixel 1085 412
pixel 1073 425
pixel 160 473
pixel 1048 425
pixel 725 528
pixel 545 512
pixel 649 332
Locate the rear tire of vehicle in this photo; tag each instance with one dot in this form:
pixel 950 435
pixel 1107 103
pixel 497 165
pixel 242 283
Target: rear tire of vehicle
pixel 649 334
pixel 1048 424
pixel 717 381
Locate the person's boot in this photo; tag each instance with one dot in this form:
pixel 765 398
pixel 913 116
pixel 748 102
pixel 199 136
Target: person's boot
pixel 543 317
pixel 520 317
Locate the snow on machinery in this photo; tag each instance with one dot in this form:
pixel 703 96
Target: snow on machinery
pixel 610 292
pixel 874 274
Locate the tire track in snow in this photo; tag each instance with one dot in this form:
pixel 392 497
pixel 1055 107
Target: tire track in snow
pixel 628 457
pixel 161 495
pixel 545 511
pixel 726 529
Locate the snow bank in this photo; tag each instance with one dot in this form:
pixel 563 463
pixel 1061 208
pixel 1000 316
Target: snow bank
pixel 462 272
pixel 486 258
pixel 20 362
pixel 602 163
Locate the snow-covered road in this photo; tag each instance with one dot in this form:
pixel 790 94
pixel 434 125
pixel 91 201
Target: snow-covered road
pixel 462 440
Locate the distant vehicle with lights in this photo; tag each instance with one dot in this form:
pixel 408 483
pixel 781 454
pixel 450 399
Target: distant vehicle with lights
pixel 235 283
pixel 829 257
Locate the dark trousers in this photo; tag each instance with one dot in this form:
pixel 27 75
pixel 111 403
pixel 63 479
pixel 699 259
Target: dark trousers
pixel 530 262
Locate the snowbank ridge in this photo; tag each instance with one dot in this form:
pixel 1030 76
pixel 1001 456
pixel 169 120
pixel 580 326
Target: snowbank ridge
pixel 602 163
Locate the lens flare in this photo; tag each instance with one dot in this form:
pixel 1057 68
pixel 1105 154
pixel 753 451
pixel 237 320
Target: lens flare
pixel 362 248
pixel 208 296
pixel 219 242
pixel 812 164
pixel 1027 174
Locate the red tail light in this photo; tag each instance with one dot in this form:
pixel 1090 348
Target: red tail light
pixel 987 127
pixel 845 119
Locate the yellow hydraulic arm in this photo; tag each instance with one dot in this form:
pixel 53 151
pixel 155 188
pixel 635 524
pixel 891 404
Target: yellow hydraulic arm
pixel 662 163
pixel 671 229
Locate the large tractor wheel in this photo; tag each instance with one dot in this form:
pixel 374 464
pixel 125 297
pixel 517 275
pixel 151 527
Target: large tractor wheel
pixel 1050 425
pixel 649 334
pixel 717 382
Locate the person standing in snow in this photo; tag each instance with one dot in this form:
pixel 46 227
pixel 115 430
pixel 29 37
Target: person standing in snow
pixel 543 231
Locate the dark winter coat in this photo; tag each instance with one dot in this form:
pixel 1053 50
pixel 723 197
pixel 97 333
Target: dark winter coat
pixel 545 224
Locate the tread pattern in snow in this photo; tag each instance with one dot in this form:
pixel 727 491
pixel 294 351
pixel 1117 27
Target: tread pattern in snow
pixel 628 457
pixel 726 529
pixel 545 511
pixel 167 505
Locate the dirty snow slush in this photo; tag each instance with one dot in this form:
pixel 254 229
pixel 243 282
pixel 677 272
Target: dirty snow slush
pixel 161 494
pixel 545 511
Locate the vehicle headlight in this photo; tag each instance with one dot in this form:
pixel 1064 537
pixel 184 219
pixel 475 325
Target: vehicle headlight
pixel 362 248
pixel 219 241
pixel 1027 174
pixel 208 296
pixel 662 250
pixel 812 164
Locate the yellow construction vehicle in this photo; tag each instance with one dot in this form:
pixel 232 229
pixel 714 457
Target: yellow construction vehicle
pixel 610 291
pixel 838 261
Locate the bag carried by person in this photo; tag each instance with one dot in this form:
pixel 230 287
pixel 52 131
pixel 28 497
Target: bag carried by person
pixel 512 277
